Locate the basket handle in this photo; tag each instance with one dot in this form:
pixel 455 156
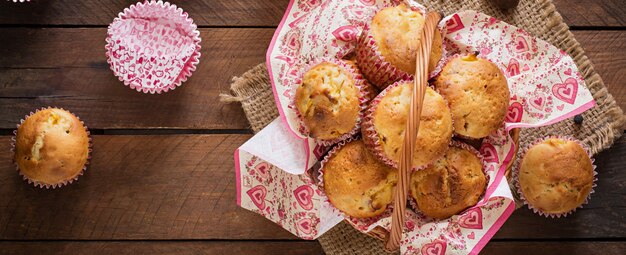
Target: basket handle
pixel 411 129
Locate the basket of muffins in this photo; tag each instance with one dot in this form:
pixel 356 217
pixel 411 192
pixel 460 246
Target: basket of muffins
pixel 401 85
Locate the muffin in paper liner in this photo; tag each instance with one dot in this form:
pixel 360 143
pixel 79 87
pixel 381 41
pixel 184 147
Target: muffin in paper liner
pixel 366 93
pixel 445 60
pixel 356 221
pixel 379 71
pixel 153 46
pixel 459 144
pixel 37 183
pixel 371 137
pixel 517 166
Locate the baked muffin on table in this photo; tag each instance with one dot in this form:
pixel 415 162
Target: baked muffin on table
pixel 331 98
pixel 555 176
pixel 385 122
pixel 477 92
pixel 51 147
pixel 356 182
pixel 387 49
pixel 453 183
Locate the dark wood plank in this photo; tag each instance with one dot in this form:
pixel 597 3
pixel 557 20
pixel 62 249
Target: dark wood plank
pixel 554 247
pixel 251 13
pixel 37 71
pixel 101 13
pixel 162 247
pixel 137 187
pixel 606 50
pixel 590 13
pixel 274 247
pixel 67 68
pixel 182 187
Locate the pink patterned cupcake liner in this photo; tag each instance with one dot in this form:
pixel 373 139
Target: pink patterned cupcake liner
pixel 374 66
pixel 45 185
pixel 515 174
pixel 371 137
pixel 413 204
pixel 365 95
pixel 153 46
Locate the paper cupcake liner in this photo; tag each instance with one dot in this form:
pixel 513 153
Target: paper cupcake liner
pixel 370 135
pixel 320 183
pixel 515 174
pixel 413 204
pixel 45 185
pixel 151 73
pixel 365 95
pixel 374 66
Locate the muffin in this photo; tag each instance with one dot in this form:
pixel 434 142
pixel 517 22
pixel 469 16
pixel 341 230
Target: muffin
pixel 387 49
pixel 51 147
pixel 477 92
pixel 555 176
pixel 453 183
pixel 356 182
pixel 385 121
pixel 330 100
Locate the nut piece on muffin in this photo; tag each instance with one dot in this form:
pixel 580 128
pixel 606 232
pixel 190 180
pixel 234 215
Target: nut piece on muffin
pixel 555 176
pixel 356 182
pixel 51 147
pixel 385 122
pixel 477 92
pixel 396 33
pixel 331 98
pixel 453 183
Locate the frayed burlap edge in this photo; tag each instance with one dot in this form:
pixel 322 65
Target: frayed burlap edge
pixel 601 127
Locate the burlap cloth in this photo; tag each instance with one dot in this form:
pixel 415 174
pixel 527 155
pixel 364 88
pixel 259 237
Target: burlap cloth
pixel 602 125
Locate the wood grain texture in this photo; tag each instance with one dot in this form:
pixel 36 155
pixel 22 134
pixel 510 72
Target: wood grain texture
pixel 606 51
pixel 137 187
pixel 37 71
pixel 277 247
pixel 576 13
pixel 101 13
pixel 67 68
pixel 590 13
pixel 183 187
pixel 162 247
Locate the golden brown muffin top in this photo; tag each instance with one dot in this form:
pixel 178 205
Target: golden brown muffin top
pixel 328 101
pixel 477 92
pixel 51 146
pixel 397 31
pixel 389 120
pixel 556 176
pixel 455 182
pixel 356 183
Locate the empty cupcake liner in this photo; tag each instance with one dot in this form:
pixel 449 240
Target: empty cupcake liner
pixel 515 173
pixel 374 66
pixel 370 135
pixel 356 222
pixel 413 203
pixel 365 95
pixel 153 47
pixel 45 185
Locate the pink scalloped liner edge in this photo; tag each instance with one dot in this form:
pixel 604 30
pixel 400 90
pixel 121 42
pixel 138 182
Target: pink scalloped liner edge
pixel 359 82
pixel 238 176
pixel 56 185
pixel 189 66
pixel 373 141
pixel 320 184
pixel 516 167
pixel 483 163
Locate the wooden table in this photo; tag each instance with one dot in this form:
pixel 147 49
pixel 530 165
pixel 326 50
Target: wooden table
pixel 162 180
